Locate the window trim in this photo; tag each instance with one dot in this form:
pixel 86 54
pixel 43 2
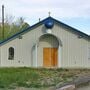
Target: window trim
pixel 89 53
pixel 11 53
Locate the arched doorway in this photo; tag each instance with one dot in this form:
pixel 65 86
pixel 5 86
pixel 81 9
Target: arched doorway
pixel 48 48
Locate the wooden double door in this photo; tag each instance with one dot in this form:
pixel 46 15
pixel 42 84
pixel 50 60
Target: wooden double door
pixel 50 57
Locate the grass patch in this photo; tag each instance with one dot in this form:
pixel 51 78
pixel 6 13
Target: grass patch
pixel 31 77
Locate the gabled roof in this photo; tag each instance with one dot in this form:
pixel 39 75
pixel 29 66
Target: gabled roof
pixel 69 28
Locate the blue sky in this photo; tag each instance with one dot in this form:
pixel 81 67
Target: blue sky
pixel 75 13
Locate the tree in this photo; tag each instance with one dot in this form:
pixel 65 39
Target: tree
pixel 12 27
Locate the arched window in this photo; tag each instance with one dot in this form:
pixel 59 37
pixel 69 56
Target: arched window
pixel 11 53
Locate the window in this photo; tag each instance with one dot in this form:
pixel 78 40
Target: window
pixel 89 53
pixel 11 53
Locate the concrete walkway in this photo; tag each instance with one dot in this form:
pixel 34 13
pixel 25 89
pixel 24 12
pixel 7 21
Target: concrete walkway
pixel 67 87
pixel 75 83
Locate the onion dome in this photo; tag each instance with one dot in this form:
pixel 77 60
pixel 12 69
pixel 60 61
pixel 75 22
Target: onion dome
pixel 49 24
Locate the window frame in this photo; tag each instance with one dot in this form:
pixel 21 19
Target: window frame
pixel 11 53
pixel 89 53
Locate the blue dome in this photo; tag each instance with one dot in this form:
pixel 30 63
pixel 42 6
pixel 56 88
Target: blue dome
pixel 49 24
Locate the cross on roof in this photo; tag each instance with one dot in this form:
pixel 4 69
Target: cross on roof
pixel 49 14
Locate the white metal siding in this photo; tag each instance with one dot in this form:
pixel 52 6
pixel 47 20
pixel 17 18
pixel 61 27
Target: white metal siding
pixel 74 51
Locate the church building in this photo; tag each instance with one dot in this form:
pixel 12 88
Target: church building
pixel 46 44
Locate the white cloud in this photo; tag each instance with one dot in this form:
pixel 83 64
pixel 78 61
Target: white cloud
pixel 62 8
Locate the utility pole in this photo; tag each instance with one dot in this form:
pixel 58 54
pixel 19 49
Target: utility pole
pixel 3 22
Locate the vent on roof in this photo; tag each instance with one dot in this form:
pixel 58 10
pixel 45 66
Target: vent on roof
pixel 20 37
pixel 80 36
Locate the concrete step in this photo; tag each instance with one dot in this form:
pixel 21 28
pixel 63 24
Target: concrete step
pixel 67 87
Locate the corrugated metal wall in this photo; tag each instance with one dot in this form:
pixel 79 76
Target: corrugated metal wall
pixel 74 50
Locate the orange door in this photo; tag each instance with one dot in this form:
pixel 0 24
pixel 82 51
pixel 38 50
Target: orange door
pixel 50 57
